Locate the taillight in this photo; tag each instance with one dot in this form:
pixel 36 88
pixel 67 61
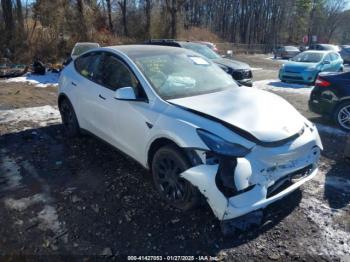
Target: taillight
pixel 321 82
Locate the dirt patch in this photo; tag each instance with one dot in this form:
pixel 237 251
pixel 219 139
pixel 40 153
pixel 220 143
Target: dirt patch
pixel 18 95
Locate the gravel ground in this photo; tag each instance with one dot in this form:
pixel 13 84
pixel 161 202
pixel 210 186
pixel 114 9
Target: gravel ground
pixel 82 198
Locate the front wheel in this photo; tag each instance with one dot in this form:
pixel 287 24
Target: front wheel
pixel 167 165
pixel 342 115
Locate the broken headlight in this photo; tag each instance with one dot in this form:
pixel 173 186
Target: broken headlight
pixel 221 146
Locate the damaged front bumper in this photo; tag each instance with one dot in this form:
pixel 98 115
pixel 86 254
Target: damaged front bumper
pixel 262 177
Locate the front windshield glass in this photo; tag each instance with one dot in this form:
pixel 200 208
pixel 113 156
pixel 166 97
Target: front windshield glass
pixel 308 57
pixel 201 49
pixel 181 74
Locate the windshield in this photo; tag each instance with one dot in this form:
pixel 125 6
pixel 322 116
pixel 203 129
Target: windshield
pixel 201 49
pixel 308 57
pixel 181 74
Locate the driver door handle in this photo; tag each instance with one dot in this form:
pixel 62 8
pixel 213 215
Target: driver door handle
pixel 102 97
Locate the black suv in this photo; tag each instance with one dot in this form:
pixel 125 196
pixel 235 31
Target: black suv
pixel 239 71
pixel 331 97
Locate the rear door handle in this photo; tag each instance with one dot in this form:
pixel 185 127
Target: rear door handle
pixel 74 84
pixel 102 97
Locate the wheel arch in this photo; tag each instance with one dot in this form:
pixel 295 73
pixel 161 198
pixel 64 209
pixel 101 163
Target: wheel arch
pixel 159 142
pixel 341 101
pixel 61 97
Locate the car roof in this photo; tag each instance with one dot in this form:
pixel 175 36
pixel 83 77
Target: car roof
pixel 132 50
pixel 319 51
pixel 86 43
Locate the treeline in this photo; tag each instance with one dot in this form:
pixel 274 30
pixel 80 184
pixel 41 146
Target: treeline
pixel 49 28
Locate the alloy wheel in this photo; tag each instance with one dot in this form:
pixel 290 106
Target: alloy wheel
pixel 344 117
pixel 174 188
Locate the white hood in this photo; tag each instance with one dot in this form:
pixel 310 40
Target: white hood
pixel 264 115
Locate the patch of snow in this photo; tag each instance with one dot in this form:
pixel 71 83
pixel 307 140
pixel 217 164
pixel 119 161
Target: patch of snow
pixel 276 59
pixel 9 173
pixel 256 68
pixel 23 203
pixel 42 114
pixel 49 219
pixel 49 79
pixel 277 85
pixel 335 241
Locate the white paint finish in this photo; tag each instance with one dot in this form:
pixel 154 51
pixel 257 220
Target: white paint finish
pixel 242 173
pixel 266 116
pixel 203 177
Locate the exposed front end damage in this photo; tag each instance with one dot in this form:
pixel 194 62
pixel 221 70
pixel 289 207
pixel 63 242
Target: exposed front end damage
pixel 234 187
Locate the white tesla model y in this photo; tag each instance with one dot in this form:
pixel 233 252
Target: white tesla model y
pixel 181 116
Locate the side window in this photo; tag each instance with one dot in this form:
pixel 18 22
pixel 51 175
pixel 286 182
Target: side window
pixel 113 74
pixel 334 57
pixel 327 58
pixel 86 64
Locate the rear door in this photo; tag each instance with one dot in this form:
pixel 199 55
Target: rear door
pixel 336 61
pixel 327 64
pixel 86 90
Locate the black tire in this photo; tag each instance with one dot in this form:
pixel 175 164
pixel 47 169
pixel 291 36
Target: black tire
pixel 341 69
pixel 167 165
pixel 69 119
pixel 339 114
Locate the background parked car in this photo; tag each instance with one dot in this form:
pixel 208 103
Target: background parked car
pixel 324 47
pixel 285 52
pixel 78 49
pixel 345 53
pixel 212 46
pixel 239 71
pixel 305 67
pixel 331 97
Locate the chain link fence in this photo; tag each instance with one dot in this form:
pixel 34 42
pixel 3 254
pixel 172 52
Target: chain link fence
pixel 227 48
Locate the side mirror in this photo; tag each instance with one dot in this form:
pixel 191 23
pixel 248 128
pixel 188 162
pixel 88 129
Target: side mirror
pixel 326 62
pixel 125 93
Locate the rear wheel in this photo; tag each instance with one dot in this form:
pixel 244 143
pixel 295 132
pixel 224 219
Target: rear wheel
pixel 69 118
pixel 167 165
pixel 342 115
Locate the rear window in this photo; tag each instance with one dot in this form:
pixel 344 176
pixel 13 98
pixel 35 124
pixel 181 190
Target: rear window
pixel 86 64
pixel 79 49
pixel 291 48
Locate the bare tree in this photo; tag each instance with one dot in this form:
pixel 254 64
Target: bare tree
pixel 109 11
pixel 173 7
pixel 122 5
pixel 8 19
pixel 81 19
pixel 148 18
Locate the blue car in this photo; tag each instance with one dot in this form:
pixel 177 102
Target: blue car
pixel 304 67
